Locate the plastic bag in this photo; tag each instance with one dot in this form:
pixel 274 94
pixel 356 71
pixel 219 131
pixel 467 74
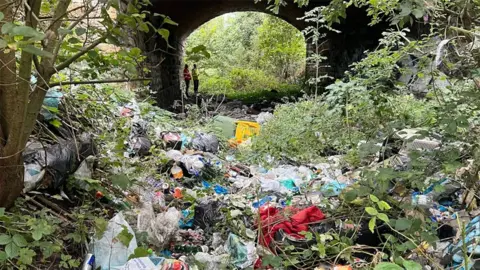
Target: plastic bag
pixel 52 100
pixel 83 172
pixel 160 229
pixel 33 175
pixel 187 220
pixel 472 231
pixel 172 140
pixel 220 190
pixel 193 163
pixel 140 145
pixel 273 185
pixel 205 142
pixel 174 155
pixel 110 253
pixel 264 117
pixel 60 160
pixel 212 262
pixel 332 189
pixel 144 263
pixel 242 255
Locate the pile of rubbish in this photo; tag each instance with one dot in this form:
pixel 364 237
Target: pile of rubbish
pixel 205 209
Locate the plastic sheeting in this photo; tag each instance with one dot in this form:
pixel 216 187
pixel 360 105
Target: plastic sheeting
pixel 160 228
pixel 58 160
pixel 242 255
pixel 110 253
pixel 52 100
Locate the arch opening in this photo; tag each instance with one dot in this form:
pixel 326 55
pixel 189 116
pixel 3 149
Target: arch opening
pixel 247 55
pixel 341 49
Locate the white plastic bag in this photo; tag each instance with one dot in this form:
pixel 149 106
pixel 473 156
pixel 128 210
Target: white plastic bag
pixel 193 163
pixel 144 263
pixel 84 172
pixel 264 117
pixel 161 228
pixel 33 175
pixel 212 262
pixel 110 253
pixel 174 155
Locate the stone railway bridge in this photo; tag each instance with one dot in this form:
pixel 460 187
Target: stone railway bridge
pixel 342 49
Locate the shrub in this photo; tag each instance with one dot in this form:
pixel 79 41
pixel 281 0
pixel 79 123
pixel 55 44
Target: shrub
pixel 216 85
pixel 302 131
pixel 248 80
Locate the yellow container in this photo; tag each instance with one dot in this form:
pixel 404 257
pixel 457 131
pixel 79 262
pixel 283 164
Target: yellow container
pixel 245 130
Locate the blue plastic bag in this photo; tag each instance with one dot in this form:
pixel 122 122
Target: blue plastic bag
pixel 220 190
pixel 185 221
pixel 333 188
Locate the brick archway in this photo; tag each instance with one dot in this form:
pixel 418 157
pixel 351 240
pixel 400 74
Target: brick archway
pixel 191 14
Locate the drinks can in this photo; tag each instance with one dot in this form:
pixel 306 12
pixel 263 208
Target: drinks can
pixel 89 262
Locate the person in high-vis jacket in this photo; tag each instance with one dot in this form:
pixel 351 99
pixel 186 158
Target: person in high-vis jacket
pixel 187 77
pixel 196 83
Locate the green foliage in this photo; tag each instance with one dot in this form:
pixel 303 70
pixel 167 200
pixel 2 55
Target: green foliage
pixel 125 236
pixel 298 131
pixel 281 47
pixel 68 262
pixel 387 266
pixel 139 253
pixel 246 80
pixel 73 38
pixel 121 181
pixel 246 53
pixel 34 238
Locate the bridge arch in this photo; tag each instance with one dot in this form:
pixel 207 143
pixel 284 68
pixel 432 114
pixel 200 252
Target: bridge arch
pixel 342 49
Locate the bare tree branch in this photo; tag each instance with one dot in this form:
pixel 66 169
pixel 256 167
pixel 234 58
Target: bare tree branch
pixel 71 27
pixel 82 51
pixel 63 15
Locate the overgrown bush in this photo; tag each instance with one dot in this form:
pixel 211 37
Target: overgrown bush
pixel 299 131
pixel 248 85
pixel 305 130
pixel 248 80
pixel 216 85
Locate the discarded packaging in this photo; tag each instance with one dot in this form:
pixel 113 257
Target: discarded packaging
pixel 144 263
pixel 110 253
pixel 160 229
pixel 243 255
pixel 205 142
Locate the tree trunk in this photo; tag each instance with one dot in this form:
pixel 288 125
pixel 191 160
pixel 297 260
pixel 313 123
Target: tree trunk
pixel 12 108
pixel 11 179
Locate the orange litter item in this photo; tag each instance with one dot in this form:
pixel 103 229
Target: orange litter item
pixel 177 172
pixel 178 193
pixel 342 267
pixel 99 195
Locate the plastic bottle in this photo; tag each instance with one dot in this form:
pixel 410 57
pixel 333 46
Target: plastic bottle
pixel 176 172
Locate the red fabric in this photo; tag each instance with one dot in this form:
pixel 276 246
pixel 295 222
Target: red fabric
pixel 186 75
pixel 274 220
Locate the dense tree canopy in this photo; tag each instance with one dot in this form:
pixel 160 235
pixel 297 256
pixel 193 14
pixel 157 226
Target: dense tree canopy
pixel 247 51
